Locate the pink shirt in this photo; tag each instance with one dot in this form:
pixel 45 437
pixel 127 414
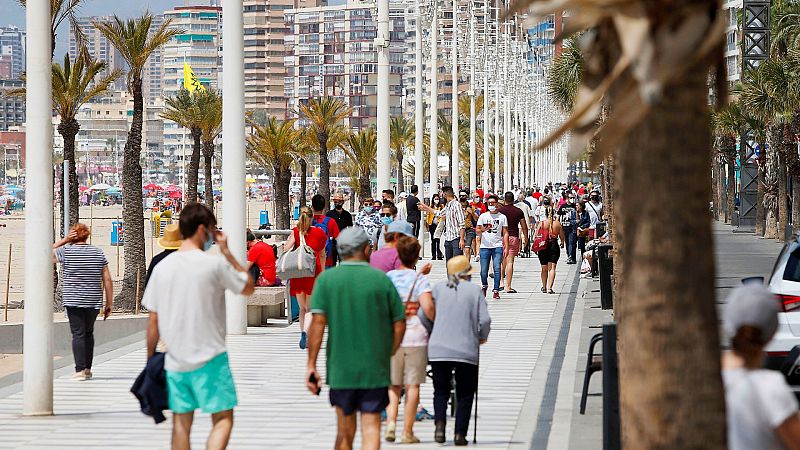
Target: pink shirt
pixel 385 259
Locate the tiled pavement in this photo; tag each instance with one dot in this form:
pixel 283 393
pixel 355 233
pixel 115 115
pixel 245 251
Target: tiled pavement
pixel 276 411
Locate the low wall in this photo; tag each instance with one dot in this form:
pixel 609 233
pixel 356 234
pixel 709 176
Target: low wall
pixel 104 331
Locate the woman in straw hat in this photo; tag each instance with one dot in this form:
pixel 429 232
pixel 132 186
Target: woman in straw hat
pixel 454 344
pixel 170 241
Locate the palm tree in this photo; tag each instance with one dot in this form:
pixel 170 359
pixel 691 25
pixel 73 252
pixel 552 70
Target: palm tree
pixel 271 145
pixel 61 10
pixel 135 41
pixel 305 148
pixel 565 74
pixel 324 114
pixel 75 83
pixel 362 149
pixel 728 123
pixel 657 124
pixel 211 126
pixel 184 109
pixel 401 137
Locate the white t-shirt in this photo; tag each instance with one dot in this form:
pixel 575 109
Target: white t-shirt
pixel 416 334
pixel 526 211
pixel 757 402
pixel 493 224
pixel 187 290
pixel 402 212
pixel 594 213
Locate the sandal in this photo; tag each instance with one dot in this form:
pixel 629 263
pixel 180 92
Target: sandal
pixel 551 291
pixel 544 290
pixel 512 291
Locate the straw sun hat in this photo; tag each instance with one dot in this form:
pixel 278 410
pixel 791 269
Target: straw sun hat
pixel 172 238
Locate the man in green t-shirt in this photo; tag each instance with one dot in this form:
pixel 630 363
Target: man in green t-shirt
pixel 365 328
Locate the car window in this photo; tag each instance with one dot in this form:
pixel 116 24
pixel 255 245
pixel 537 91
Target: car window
pixel 792 271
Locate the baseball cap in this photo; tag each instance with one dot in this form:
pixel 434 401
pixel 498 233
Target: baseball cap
pixel 351 239
pixel 751 305
pixel 400 226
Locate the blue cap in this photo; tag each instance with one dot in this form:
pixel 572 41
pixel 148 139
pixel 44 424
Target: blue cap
pixel 401 226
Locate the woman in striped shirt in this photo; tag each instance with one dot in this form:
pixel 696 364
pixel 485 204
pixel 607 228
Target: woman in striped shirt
pixel 84 278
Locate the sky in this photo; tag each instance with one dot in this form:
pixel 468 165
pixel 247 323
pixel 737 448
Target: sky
pixel 14 14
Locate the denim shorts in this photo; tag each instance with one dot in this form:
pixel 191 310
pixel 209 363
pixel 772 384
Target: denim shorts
pixel 209 388
pixel 469 237
pixel 363 400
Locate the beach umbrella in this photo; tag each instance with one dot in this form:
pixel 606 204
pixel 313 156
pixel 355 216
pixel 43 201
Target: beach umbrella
pixel 100 187
pixel 172 188
pixel 175 194
pixel 151 187
pixel 83 188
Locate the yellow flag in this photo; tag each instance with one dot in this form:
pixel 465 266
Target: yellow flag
pixel 190 81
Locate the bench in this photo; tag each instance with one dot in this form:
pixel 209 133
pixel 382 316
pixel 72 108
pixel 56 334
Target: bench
pixel 265 303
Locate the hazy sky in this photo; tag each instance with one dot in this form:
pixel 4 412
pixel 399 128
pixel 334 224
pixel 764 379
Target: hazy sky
pixel 13 14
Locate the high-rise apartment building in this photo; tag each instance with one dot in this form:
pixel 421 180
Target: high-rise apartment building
pixel 733 40
pixel 199 47
pixel 12 42
pixel 154 70
pixel 332 53
pixel 264 49
pixel 98 46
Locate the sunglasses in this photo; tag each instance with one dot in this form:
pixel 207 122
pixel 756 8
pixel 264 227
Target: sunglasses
pixel 386 215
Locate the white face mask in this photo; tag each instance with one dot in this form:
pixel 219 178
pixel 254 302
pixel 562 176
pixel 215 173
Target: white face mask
pixel 492 208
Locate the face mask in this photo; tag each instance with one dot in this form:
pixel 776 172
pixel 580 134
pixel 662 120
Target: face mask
pixel 338 205
pixel 571 201
pixel 209 241
pixel 386 220
pixel 492 208
pixel 477 199
pixel 368 209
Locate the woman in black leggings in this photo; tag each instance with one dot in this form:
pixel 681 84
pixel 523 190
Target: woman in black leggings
pixel 436 251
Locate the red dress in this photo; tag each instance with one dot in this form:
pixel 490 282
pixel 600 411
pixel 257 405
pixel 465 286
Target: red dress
pixel 316 239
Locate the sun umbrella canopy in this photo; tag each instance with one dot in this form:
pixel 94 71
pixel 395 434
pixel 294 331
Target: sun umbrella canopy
pixel 114 190
pixel 250 180
pixel 172 188
pixel 83 188
pixel 175 194
pixel 151 187
pixel 100 187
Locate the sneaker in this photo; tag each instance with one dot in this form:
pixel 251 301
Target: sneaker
pixel 88 374
pixel 460 440
pixel 491 275
pixel 476 258
pixel 391 431
pixel 409 439
pixel 438 435
pixel 303 339
pixel 79 376
pixel 484 288
pixel 496 295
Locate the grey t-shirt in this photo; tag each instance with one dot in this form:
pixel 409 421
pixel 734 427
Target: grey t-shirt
pixel 757 402
pixel 187 290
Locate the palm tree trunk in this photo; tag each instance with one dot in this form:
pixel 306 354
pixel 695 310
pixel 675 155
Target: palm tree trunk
pixel 795 203
pixel 283 178
pixel 771 184
pixel 760 211
pixel 401 184
pixel 208 160
pixel 194 167
pixel 664 405
pixel 364 190
pixel 68 130
pixel 783 197
pixel 731 191
pixel 303 181
pixel 132 208
pixel 324 169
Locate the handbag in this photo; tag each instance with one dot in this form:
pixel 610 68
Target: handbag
pixel 542 238
pixel 300 262
pixel 583 232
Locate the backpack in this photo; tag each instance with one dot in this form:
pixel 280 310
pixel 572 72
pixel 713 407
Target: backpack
pixel 324 226
pixel 568 218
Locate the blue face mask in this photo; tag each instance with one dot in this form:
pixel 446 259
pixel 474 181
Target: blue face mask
pixel 209 241
pixel 386 220
pixel 368 209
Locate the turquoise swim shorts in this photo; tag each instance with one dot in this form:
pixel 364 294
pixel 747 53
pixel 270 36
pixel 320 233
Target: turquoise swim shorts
pixel 209 388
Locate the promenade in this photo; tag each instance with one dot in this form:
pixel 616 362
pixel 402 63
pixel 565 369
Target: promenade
pixel 276 410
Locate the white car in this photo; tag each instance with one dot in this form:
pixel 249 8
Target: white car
pixel 785 284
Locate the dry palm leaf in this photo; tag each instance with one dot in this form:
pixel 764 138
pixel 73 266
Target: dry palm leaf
pixel 634 49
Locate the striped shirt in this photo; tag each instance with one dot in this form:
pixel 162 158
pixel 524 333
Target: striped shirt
pixel 454 218
pixel 82 275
